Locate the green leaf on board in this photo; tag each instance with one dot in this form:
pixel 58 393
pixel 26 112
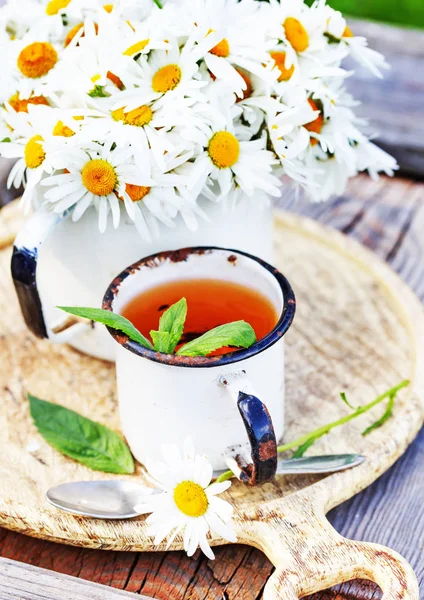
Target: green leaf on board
pixel 387 415
pixel 239 334
pixel 86 441
pixel 171 327
pixel 109 319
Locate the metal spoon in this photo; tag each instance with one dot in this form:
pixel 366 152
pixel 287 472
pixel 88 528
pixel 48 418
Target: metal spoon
pixel 116 499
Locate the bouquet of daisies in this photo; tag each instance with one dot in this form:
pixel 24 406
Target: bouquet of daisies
pixel 140 107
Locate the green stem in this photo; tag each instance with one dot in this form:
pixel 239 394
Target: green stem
pixel 327 428
pixel 158 3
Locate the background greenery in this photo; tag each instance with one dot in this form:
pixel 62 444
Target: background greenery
pixel 403 12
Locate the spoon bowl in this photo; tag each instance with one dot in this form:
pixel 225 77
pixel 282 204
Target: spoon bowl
pixel 113 499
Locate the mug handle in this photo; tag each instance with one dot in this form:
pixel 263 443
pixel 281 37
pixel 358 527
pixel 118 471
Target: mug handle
pixel 260 464
pixel 24 273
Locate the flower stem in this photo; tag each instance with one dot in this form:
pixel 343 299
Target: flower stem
pixel 318 433
pixel 158 3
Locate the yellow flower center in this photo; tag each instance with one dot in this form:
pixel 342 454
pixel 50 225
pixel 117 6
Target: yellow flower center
pixel 108 7
pixel 280 61
pixel 224 149
pixel 138 117
pixel 191 499
pixel 347 32
pixel 136 192
pixel 99 177
pixel 222 49
pixel 166 79
pixel 296 34
pixel 136 48
pixel 34 154
pixel 54 6
pixel 37 59
pixel 22 105
pixel 62 130
pixel 317 124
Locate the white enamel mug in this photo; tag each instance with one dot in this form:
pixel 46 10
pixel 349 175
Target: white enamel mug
pixel 231 405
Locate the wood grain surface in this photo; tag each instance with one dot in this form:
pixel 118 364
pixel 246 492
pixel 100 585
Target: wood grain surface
pixel 22 582
pixel 239 571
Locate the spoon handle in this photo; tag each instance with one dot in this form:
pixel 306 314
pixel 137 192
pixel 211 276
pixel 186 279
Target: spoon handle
pixel 311 465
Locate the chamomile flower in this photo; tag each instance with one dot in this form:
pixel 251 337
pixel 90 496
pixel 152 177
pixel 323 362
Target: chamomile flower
pixel 33 144
pixel 189 504
pixel 171 73
pixel 356 46
pixel 94 176
pixel 300 27
pixel 145 127
pixel 234 41
pixel 233 164
pixel 29 64
pixel 138 39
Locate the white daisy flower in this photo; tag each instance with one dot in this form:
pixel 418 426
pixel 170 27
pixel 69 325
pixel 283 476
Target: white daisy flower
pixel 235 41
pixel 34 138
pixel 29 64
pixel 356 46
pixel 139 38
pixel 171 73
pixel 189 504
pixel 232 164
pixel 300 27
pixel 97 176
pixel 145 127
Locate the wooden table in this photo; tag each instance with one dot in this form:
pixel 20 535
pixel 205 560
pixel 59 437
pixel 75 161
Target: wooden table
pixel 388 217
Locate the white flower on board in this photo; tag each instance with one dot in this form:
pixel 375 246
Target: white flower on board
pixel 189 504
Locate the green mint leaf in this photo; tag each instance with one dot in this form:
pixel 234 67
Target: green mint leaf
pixel 239 334
pixel 86 441
pixel 109 319
pixel 172 322
pixel 162 342
pixel 346 401
pixel 6 140
pixel 387 415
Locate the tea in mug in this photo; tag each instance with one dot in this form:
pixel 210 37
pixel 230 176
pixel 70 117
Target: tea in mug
pixel 211 302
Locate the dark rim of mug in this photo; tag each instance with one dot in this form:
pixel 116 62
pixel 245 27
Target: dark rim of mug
pixel 153 261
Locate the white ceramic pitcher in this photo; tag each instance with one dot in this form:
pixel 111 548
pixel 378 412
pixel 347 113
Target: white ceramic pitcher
pixel 165 397
pixel 57 262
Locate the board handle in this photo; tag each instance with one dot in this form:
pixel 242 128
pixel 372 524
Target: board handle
pixel 310 556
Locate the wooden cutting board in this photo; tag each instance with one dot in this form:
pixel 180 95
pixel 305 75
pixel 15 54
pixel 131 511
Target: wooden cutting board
pixel 359 329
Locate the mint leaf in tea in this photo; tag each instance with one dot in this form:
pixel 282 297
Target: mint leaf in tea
pixel 211 304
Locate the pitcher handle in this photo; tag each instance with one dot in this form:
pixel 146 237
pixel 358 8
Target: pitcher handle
pixel 260 464
pixel 24 273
